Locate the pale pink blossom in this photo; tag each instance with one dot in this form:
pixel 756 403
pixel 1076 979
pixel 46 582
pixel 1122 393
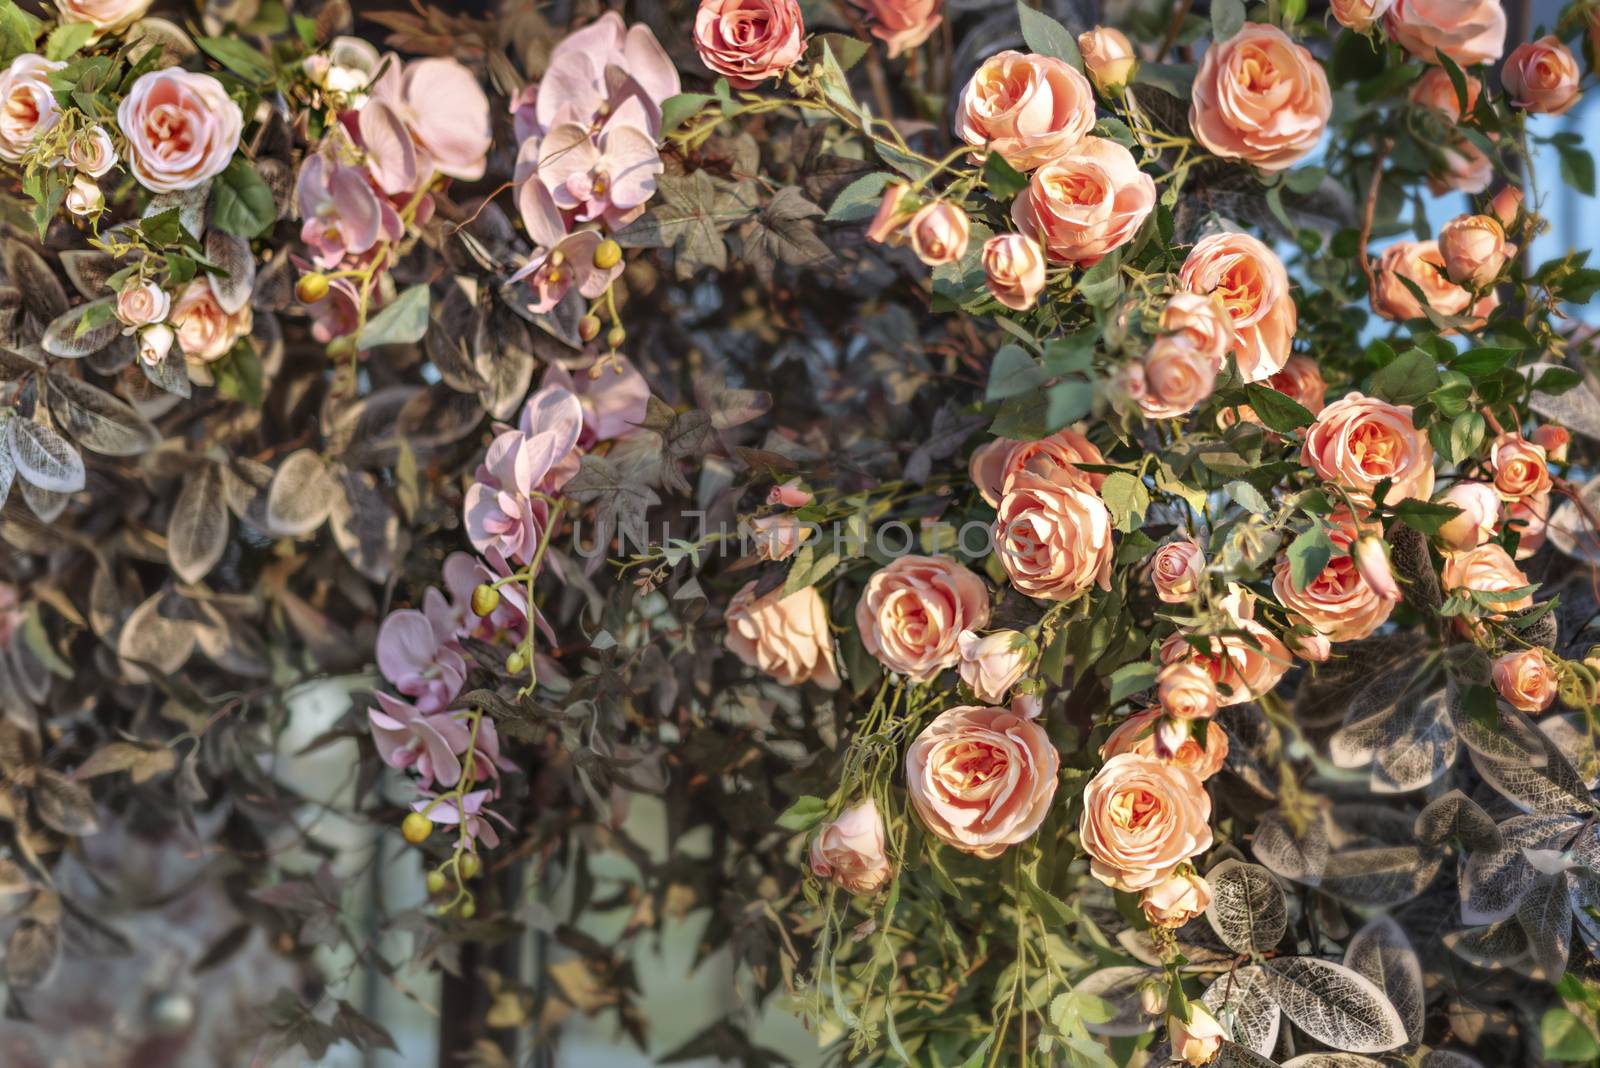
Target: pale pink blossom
pixel 182 129
pixel 901 24
pixel 469 813
pixel 501 509
pixel 443 108
pixel 851 850
pixel 614 400
pixel 27 104
pixel 592 73
pixel 1479 517
pixel 420 660
pixel 786 638
pixel 343 215
pixel 428 745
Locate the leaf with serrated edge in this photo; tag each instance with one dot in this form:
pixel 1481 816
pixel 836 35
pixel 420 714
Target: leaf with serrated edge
pixel 1334 1005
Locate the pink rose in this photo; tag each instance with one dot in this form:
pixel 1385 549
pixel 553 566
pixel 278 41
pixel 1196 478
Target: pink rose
pixel 993 663
pixel 1466 170
pixel 1014 269
pixel 1260 98
pixel 776 537
pixel 1108 57
pixel 901 24
pixel 1520 467
pixel 1468 31
pixel 1479 503
pixel 1359 15
pixel 1250 281
pixel 1242 669
pixel 1053 540
pixel 206 331
pixel 939 232
pixel 890 219
pixel 1186 691
pixel 92 152
pixel 1338 602
pixel 1554 441
pixel 1201 321
pixel 1086 202
pixel 912 613
pixel 1435 90
pixel 1197 1040
pixel 749 41
pixel 443 108
pixel 1176 901
pixel 182 128
pixel 27 104
pixel 1360 441
pixel 1054 458
pixel 1141 820
pixel 106 16
pixel 1029 109
pixel 789 494
pixel 1141 732
pixel 1475 249
pixel 1506 206
pixel 784 637
pixel 1487 569
pixel 1173 379
pixel 142 303
pixel 981 778
pixel 851 852
pixel 1176 569
pixel 1525 680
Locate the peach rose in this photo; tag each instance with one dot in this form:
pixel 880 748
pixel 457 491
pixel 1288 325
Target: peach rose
pixel 205 330
pixel 1525 680
pixel 1186 691
pixel 1195 1041
pixel 1423 264
pixel 939 232
pixel 1203 322
pixel 912 613
pixel 1466 170
pixel 1175 902
pixel 1108 57
pixel 182 128
pixel 1250 281
pixel 1542 77
pixel 84 196
pixel 1140 734
pixel 1435 90
pixel 1520 467
pixel 1243 670
pixel 1085 202
pixel 1260 98
pixel 784 637
pixel 1173 379
pixel 1141 820
pixel 981 778
pixel 749 41
pixel 1301 379
pixel 1313 647
pixel 1371 554
pixel 901 24
pixel 1359 15
pixel 1054 458
pixel 27 104
pixel 789 494
pixel 1554 441
pixel 1506 206
pixel 1468 31
pixel 851 852
pixel 1176 570
pixel 1530 518
pixel 1475 249
pixel 986 469
pixel 887 223
pixel 1014 269
pixel 142 303
pixel 106 16
pixel 1487 569
pixel 993 663
pixel 776 537
pixel 1479 503
pixel 1338 602
pixel 1360 441
pixel 1027 108
pixel 1053 540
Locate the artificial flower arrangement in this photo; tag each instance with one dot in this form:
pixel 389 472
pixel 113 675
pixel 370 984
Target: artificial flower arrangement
pixel 1111 584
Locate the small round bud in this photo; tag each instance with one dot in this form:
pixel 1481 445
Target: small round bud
pixel 436 882
pixel 469 865
pixel 517 662
pixel 468 910
pixel 342 348
pixel 616 336
pixel 485 599
pixel 607 254
pixel 416 827
pixel 589 327
pixel 311 288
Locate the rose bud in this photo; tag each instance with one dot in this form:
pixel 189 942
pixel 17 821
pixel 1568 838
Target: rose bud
pixel 939 232
pixel 887 222
pixel 1173 903
pixel 1197 1041
pixel 1108 57
pixel 1372 564
pixel 155 341
pixel 1479 518
pixel 789 494
pixel 1170 734
pixel 1014 269
pixel 776 537
pixel 1314 648
pixel 1152 998
pixel 1175 568
pixel 1359 15
pixel 1520 467
pixel 1506 205
pixel 1187 691
pixel 84 197
pixel 1542 77
pixel 1525 680
pixel 1554 441
pixel 851 852
pixel 993 663
pixel 142 303
pixel 1474 249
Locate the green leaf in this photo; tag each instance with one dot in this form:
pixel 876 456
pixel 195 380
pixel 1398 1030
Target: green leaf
pixel 859 200
pixel 1424 516
pixel 1066 403
pixel 1478 362
pixel 1564 1037
pixel 804 814
pixel 1013 373
pixel 1127 497
pixel 1556 380
pixel 1308 555
pixel 1411 376
pixel 1002 179
pixel 238 375
pixel 1130 679
pixel 1249 498
pixel 400 323
pixel 243 60
pixel 1577 169
pixel 1227 18
pixel 68 39
pixel 1458 81
pixel 676 110
pixel 1277 411
pixel 18 31
pixel 1048 37
pixel 241 203
pixel 1101 285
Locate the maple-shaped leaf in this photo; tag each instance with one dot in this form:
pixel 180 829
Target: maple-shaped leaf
pixel 694 212
pixel 620 503
pixel 785 232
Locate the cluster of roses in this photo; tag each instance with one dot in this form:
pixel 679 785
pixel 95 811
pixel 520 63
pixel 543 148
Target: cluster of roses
pixel 395 129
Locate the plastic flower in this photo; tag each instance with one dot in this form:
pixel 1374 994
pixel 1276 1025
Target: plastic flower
pixel 420 661
pixel 506 507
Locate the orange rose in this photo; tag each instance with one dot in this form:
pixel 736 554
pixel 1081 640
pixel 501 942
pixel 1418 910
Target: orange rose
pixel 1554 440
pixel 1424 265
pixel 1360 441
pixel 1260 98
pixel 1249 279
pixel 1014 269
pixel 1525 680
pixel 206 331
pixel 912 613
pixel 1140 734
pixel 1359 15
pixel 1029 109
pixel 1141 820
pixel 1520 467
pixel 1176 570
pixel 981 779
pixel 939 232
pixel 1203 322
pixel 1175 902
pixel 1487 569
pixel 1243 670
pixel 784 637
pixel 1301 380
pixel 1053 540
pixel 1085 202
pixel 1468 31
pixel 1530 518
pixel 1479 519
pixel 1197 1040
pixel 1338 602
pixel 749 41
pixel 1475 249
pixel 1542 77
pixel 1186 691
pixel 1173 379
pixel 1054 458
pixel 850 850
pixel 1435 90
pixel 1109 58
pixel 901 24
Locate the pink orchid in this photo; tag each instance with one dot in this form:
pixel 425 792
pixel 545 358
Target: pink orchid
pixel 469 813
pixel 609 175
pixel 344 215
pixel 593 73
pixel 420 661
pixel 564 264
pixel 338 314
pixel 613 405
pixel 463 573
pixel 406 738
pixel 501 510
pixel 441 107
